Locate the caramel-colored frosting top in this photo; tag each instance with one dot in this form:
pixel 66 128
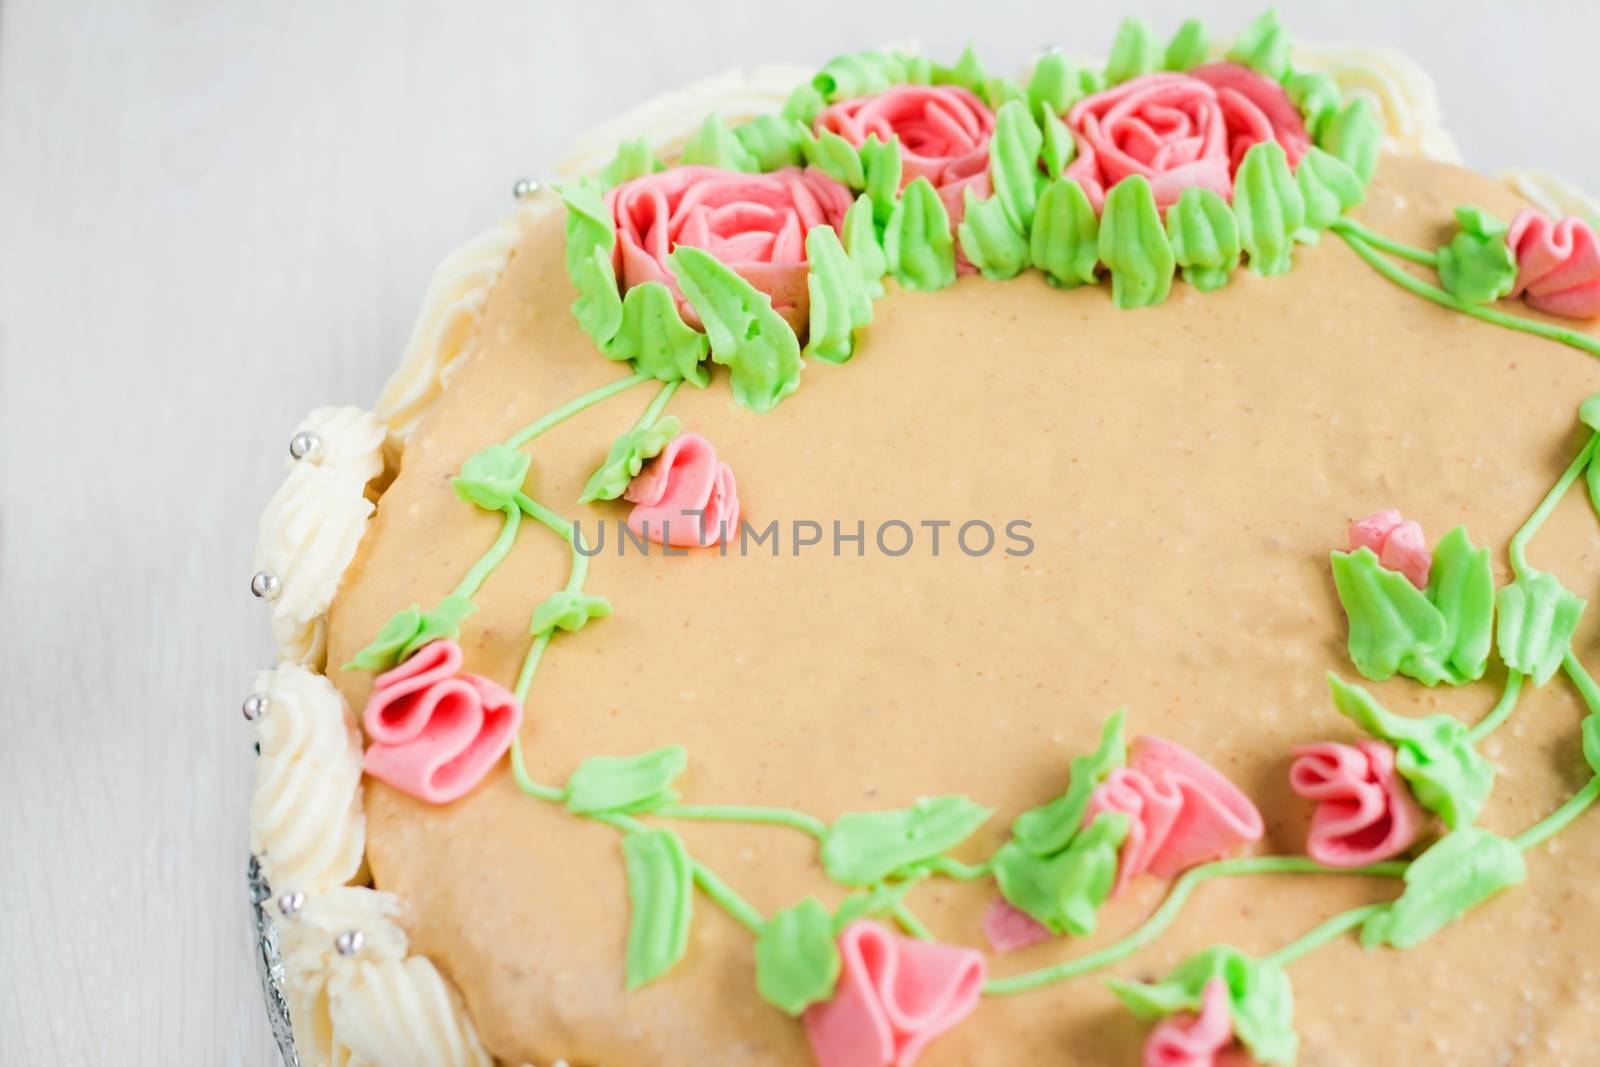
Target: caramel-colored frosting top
pixel 1186 470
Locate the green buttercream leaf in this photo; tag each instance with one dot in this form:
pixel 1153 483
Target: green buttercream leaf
pixel 1065 243
pixel 880 163
pixel 1461 587
pixel 1260 999
pixel 834 156
pixel 968 73
pixel 1263 46
pixel 797 962
pixel 747 336
pixel 1189 47
pixel 384 651
pixel 634 159
pixel 443 623
pixel 1049 828
pixel 1059 146
pixel 1538 616
pixel 773 141
pixel 859 74
pixel 591 237
pixel 1355 136
pixel 1329 189
pixel 917 241
pixel 1393 624
pixel 1433 754
pixel 628 784
pixel 660 903
pixel 862 245
pixel 1316 95
pixel 1014 165
pixel 1269 207
pixel 1134 245
pixel 997 92
pixel 840 300
pixel 626 458
pixel 568 610
pixel 1133 52
pixel 654 336
pixel 492 477
pixel 989 240
pixel 1460 871
pixel 1591 742
pixel 1054 86
pixel 1477 266
pixel 1065 891
pixel 804 105
pixel 1205 238
pixel 1589 413
pixel 714 145
pixel 863 848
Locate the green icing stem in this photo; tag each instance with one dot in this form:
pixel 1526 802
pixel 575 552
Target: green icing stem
pixel 911 924
pixel 519 772
pixel 1418 287
pixel 1500 712
pixel 1519 540
pixel 743 813
pixel 716 890
pixel 572 407
pixel 1352 228
pixel 1585 683
pixel 1561 818
pixel 1164 916
pixel 957 871
pixel 653 412
pixel 1324 932
pixel 494 557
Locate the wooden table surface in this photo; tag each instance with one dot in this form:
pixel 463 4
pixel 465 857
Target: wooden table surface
pixel 214 217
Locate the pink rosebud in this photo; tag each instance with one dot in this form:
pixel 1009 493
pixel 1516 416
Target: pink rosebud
pixel 1365 813
pixel 686 497
pixel 1558 264
pixel 435 732
pixel 1398 543
pixel 944 133
pixel 895 995
pixel 1009 928
pixel 1189 1040
pixel 754 223
pixel 1181 811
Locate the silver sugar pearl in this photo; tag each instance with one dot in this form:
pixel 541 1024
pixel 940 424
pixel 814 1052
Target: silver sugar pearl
pixel 349 942
pixel 289 904
pixel 524 187
pixel 264 585
pixel 305 445
pixel 255 706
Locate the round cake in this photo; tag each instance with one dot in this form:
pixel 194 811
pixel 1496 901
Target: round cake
pixel 1110 592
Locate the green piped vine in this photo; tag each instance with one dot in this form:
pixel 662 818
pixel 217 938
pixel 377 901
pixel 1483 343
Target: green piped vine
pixel 1052 866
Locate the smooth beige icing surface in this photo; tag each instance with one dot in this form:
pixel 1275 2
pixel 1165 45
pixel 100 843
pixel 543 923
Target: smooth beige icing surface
pixel 1186 470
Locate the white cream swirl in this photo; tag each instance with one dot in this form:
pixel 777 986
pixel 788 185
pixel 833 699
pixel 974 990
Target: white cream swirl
pixel 353 441
pixel 1551 194
pixel 1404 96
pixel 306 823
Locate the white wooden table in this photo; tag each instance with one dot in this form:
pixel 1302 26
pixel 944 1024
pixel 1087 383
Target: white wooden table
pixel 214 217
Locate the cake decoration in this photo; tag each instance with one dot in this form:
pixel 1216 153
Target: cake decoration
pixel 1365 812
pixel 1260 1001
pixel 1398 543
pixel 686 497
pixel 1558 264
pixel 1186 1039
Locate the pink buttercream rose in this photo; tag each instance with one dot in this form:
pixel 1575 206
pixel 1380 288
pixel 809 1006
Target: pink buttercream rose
pixel 944 133
pixel 434 731
pixel 1398 543
pixel 754 223
pixel 895 996
pixel 1558 264
pixel 1181 811
pixel 686 497
pixel 1180 130
pixel 1205 1040
pixel 1365 813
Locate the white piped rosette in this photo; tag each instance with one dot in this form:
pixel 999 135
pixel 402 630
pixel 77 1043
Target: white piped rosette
pixel 1404 96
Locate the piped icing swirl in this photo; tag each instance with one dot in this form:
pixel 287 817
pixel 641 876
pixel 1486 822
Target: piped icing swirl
pixel 306 823
pixel 1405 97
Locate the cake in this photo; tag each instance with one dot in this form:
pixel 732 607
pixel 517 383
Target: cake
pixel 1111 591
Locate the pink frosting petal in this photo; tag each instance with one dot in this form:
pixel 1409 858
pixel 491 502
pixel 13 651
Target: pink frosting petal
pixel 1008 928
pixel 1255 108
pixel 435 733
pixel 686 497
pixel 1152 808
pixel 1398 542
pixel 1365 813
pixel 1189 1040
pixel 895 995
pixel 1558 264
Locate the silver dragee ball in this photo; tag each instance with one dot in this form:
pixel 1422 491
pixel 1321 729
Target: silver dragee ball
pixel 524 187
pixel 255 706
pixel 265 585
pixel 349 942
pixel 289 904
pixel 305 445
